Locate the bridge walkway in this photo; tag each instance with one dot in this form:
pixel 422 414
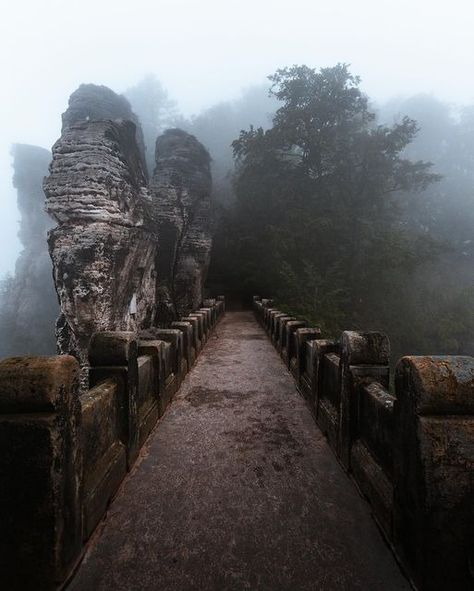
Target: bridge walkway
pixel 237 489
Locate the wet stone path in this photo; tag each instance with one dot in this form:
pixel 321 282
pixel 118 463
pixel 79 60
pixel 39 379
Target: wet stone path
pixel 237 489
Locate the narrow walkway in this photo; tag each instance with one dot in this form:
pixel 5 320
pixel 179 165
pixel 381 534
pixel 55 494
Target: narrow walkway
pixel 237 489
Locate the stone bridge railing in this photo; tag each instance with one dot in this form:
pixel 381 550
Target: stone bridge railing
pixel 410 452
pixel 64 454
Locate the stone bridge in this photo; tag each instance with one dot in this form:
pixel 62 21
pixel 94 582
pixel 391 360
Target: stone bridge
pixel 234 485
pixel 176 445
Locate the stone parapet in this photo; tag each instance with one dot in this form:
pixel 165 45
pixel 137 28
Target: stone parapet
pixel 409 450
pixel 65 451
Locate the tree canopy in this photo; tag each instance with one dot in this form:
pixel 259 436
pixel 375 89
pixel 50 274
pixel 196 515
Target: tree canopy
pixel 317 221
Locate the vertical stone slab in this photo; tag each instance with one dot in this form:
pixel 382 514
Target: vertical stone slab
pixel 201 326
pixel 114 355
pixel 205 321
pixel 40 467
pixel 434 471
pixel 103 451
pixel 221 303
pixel 364 356
pixel 320 348
pixel 288 344
pixel 372 445
pixel 267 317
pixel 281 341
pixel 258 310
pixel 302 336
pixel 271 321
pixel 208 312
pixel 172 336
pixel 196 336
pixel 275 328
pixel 187 329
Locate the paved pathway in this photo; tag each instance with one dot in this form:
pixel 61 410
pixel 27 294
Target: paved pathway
pixel 237 489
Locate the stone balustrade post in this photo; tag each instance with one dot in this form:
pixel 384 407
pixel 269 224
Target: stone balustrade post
pixel 365 357
pixel 320 348
pixel 302 336
pixel 434 471
pixel 288 344
pixel 114 354
pixel 267 318
pixel 187 329
pixel 40 472
pixel 221 304
pixel 196 333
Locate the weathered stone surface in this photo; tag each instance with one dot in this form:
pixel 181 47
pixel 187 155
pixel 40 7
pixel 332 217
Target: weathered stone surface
pixel 124 257
pixel 104 247
pixel 114 355
pixel 40 467
pixel 364 358
pixel 433 468
pixel 181 192
pixel 28 307
pixel 34 384
pixel 91 102
pixel 96 174
pixel 104 454
pixel 112 348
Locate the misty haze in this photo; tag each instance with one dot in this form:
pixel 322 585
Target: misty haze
pixel 237 295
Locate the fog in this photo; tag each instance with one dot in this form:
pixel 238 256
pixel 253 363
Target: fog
pixel 208 51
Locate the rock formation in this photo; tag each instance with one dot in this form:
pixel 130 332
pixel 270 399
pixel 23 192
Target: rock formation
pixel 181 194
pixel 103 249
pixel 124 257
pixel 28 307
pixel 91 102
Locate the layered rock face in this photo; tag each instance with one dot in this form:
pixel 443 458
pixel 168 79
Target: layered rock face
pixel 181 194
pixel 91 102
pixel 104 246
pixel 125 257
pixel 29 306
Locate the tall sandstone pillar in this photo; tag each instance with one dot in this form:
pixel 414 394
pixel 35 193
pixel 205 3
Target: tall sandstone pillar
pixel 104 245
pixel 181 194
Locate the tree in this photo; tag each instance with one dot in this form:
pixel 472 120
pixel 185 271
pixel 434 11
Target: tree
pixel 316 220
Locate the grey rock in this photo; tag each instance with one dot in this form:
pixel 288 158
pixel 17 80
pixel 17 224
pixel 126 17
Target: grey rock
pixel 181 195
pixel 104 246
pixel 125 257
pixel 91 102
pixel 28 303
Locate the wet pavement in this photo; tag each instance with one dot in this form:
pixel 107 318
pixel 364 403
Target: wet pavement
pixel 237 489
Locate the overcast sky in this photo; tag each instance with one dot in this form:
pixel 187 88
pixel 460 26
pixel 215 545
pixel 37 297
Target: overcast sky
pixel 204 51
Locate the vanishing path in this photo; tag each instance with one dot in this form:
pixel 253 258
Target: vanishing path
pixel 237 489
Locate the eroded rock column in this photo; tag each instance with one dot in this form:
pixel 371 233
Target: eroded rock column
pixel 104 246
pixel 28 307
pixel 181 194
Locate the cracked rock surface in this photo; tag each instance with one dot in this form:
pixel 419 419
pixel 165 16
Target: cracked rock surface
pixel 125 256
pixel 181 195
pixel 104 245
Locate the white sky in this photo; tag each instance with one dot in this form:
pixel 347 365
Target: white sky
pixel 204 51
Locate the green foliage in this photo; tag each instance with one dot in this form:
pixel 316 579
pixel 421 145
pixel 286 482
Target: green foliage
pixel 318 221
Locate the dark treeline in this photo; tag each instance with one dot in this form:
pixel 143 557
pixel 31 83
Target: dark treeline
pixel 352 218
pixel 352 215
